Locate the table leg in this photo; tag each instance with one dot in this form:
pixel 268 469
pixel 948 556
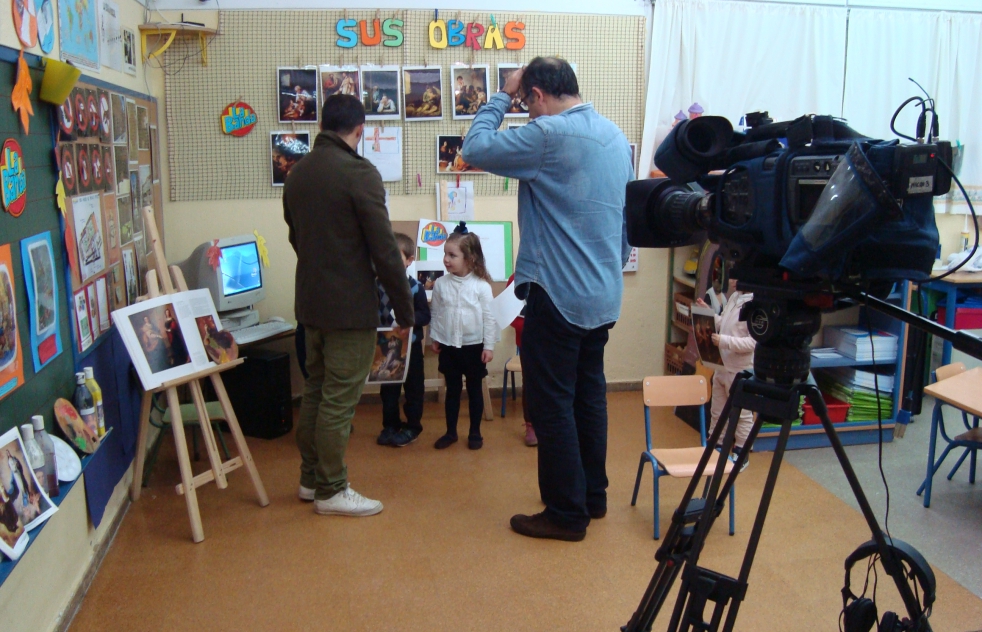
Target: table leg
pixel 926 486
pixel 141 447
pixel 949 317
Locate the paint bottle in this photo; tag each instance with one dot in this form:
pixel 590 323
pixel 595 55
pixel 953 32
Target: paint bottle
pixel 35 458
pixel 85 405
pixel 50 480
pixel 96 391
pixel 965 235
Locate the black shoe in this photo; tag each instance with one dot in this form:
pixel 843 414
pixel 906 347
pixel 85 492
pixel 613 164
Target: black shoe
pixel 403 438
pixel 388 434
pixel 445 441
pixel 475 443
pixel 597 514
pixel 539 526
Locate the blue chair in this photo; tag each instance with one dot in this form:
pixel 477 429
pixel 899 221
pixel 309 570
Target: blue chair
pixel 671 391
pixel 971 440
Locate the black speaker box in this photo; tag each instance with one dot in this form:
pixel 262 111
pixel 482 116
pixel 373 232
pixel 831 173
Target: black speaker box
pixel 259 389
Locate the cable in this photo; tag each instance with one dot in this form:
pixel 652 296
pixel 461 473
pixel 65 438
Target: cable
pixel 893 121
pixel 879 415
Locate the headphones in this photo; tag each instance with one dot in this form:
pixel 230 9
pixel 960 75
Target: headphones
pixel 859 613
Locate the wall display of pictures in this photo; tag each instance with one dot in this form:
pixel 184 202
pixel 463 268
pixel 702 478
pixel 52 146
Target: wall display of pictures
pixel 518 109
pixel 84 168
pixel 146 186
pixel 88 235
pixel 143 127
pixel 81 113
pixel 102 297
pixel 448 158
pixel 11 357
pixel 122 166
pixel 83 327
pixel 135 204
pixel 91 298
pixel 131 279
pixel 129 52
pixel 41 283
pixel 286 149
pixel 118 287
pixel 98 173
pixel 78 33
pixel 391 361
pixel 92 103
pixel 108 164
pixel 162 335
pixel 111 45
pixel 66 118
pixel 383 148
pixel 422 93
pixel 340 80
pixel 470 90
pixel 30 502
pixel 69 174
pixel 105 118
pixel 297 94
pixel 132 135
pixel 111 226
pixel 124 218
pixel 380 92
pixel 119 119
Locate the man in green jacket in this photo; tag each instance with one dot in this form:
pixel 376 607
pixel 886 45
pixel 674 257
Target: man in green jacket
pixel 334 205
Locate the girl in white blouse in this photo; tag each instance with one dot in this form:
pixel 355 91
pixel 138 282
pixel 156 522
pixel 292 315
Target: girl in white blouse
pixel 463 330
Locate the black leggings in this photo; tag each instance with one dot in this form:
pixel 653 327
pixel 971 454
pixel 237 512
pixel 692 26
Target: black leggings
pixel 456 363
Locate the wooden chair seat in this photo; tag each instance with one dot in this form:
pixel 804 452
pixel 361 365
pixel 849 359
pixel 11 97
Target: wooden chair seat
pixel 514 364
pixel 682 462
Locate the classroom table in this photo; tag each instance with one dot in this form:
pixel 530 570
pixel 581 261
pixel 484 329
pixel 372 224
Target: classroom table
pixel 964 393
pixel 950 286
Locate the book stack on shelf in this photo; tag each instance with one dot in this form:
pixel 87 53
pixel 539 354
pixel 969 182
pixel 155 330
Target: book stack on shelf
pixel 857 344
pixel 860 389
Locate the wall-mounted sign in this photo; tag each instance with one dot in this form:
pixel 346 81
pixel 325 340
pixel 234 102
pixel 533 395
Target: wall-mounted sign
pixel 387 33
pixel 456 33
pixel 238 119
pixel 433 234
pixel 13 178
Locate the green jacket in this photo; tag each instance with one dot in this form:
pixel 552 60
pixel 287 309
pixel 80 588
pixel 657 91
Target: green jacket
pixel 334 204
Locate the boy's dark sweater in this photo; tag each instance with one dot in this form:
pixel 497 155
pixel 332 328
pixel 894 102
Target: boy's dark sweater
pixel 420 306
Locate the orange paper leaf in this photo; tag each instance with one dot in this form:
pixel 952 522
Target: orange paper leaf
pixel 70 251
pixel 214 255
pixel 20 95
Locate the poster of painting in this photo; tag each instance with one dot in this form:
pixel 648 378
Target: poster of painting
pixel 391 362
pixel 518 108
pixel 339 80
pixel 13 535
pixel 41 283
pixel 78 33
pixel 423 91
pixel 146 186
pixel 285 150
pixel 11 357
pixel 383 148
pixel 448 158
pixel 132 133
pixel 143 127
pixel 704 327
pixel 130 279
pixel 87 213
pixel 122 166
pixel 129 52
pixel 380 92
pixel 470 90
pixel 124 218
pixel 119 118
pixel 297 94
pixel 427 272
pixel 110 38
pixel 19 482
pixel 83 328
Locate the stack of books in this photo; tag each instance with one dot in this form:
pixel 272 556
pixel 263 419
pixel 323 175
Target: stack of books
pixel 858 389
pixel 856 343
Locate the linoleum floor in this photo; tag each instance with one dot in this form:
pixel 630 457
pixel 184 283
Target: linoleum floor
pixel 441 555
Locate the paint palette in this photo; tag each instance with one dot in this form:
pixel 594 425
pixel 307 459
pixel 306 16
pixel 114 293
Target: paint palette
pixel 69 465
pixel 74 429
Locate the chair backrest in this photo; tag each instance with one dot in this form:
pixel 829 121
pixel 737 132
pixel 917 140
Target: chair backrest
pixel 675 390
pixel 948 370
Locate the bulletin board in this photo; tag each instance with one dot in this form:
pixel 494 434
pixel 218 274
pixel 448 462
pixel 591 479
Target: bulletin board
pixel 205 164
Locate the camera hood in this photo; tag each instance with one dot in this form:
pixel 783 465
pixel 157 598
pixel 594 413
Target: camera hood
pixel 692 146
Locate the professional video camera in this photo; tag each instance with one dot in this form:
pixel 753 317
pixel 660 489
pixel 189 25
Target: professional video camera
pixel 802 208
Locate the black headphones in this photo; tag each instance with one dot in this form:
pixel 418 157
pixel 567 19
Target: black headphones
pixel 859 613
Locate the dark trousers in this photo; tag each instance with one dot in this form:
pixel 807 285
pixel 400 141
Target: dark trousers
pixel 456 363
pixel 566 391
pixel 414 394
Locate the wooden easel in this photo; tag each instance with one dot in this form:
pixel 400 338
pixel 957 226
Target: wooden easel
pixel 189 482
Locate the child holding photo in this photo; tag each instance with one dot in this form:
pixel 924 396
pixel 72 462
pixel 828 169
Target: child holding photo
pixel 463 330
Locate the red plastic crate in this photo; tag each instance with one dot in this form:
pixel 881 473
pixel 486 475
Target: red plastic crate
pixel 838 410
pixel 965 317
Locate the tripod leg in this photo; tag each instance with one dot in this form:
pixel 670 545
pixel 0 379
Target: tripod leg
pixel 637 481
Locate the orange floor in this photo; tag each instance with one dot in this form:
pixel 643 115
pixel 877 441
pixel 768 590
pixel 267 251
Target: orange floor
pixel 441 555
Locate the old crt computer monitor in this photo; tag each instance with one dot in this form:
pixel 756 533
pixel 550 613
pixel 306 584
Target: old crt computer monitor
pixel 236 285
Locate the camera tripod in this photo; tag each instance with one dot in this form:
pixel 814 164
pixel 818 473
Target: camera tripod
pixel 783 360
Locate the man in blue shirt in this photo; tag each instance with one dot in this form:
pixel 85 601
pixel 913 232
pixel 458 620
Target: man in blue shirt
pixel 573 166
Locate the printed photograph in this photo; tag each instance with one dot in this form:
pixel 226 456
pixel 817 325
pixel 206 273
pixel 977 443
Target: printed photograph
pixel 160 336
pixel 81 113
pixel 82 320
pixel 11 527
pixel 20 486
pixel 219 344
pixel 391 360
pixel 121 162
pixel 42 269
pixel 132 134
pixel 119 119
pixel 66 119
pixel 518 109
pixel 297 89
pixel 98 174
pixel 380 92
pixel 422 92
pixel 129 51
pixel 143 127
pixel 135 211
pixel 92 102
pixel 146 186
pixel 111 227
pixel 339 80
pixel 69 174
pixel 87 215
pixel 427 278
pixel 124 219
pixel 130 275
pixel 286 149
pixel 470 90
pixel 448 158
pixel 8 319
pixel 105 118
pixel 703 328
pixel 84 167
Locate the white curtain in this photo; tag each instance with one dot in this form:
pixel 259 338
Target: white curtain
pixel 737 57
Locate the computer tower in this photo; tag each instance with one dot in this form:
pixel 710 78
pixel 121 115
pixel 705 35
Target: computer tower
pixel 259 389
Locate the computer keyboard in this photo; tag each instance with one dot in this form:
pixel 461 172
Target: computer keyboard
pixel 260 331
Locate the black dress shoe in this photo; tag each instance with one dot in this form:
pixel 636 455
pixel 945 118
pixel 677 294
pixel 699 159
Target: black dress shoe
pixel 539 526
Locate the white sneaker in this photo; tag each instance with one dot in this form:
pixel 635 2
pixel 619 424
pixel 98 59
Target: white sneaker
pixel 306 494
pixel 347 503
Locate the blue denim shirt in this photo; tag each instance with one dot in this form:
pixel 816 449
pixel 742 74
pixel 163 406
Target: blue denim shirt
pixel 573 168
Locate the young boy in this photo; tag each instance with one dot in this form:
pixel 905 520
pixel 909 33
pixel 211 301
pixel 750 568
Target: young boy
pixel 394 432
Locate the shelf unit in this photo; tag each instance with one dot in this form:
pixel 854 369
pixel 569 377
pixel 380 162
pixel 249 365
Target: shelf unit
pixel 677 331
